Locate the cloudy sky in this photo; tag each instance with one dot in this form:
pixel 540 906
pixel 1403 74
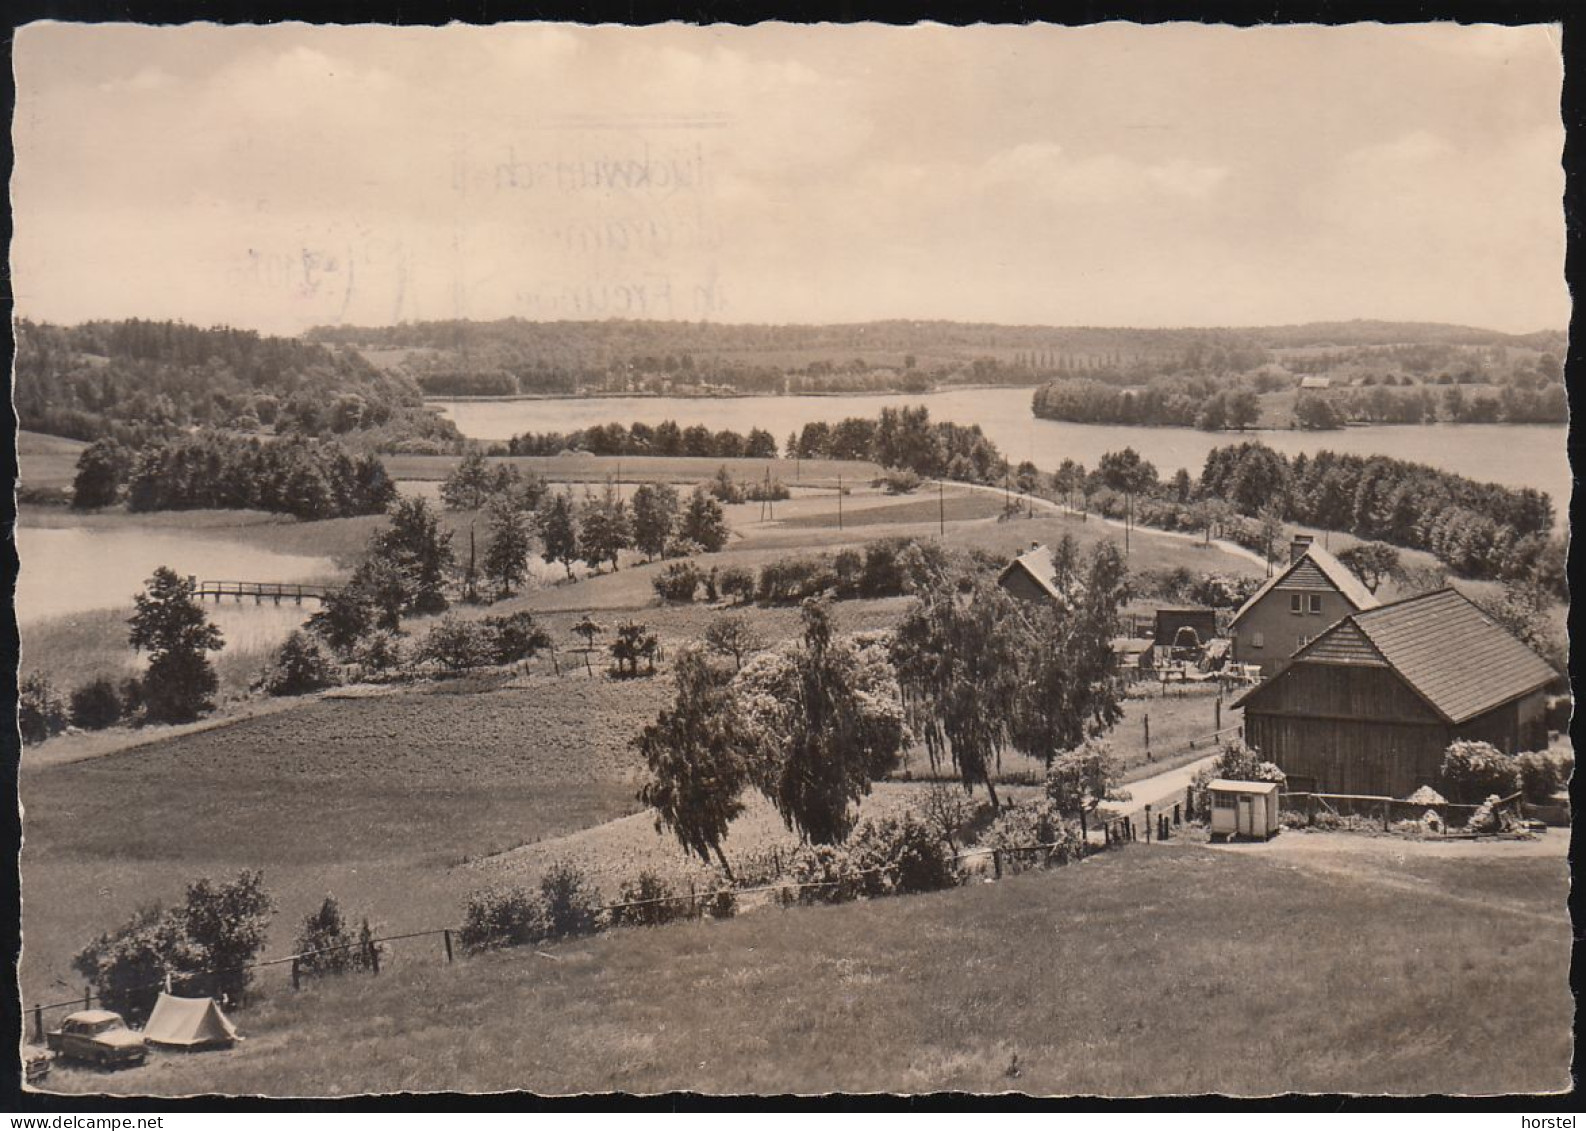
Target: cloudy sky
pixel 282 177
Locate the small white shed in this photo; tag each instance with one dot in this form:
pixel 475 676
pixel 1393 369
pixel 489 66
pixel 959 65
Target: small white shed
pixel 1244 808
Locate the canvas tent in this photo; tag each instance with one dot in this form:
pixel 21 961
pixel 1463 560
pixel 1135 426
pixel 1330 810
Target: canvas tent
pixel 188 1023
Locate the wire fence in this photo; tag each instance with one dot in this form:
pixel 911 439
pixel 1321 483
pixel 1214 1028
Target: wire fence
pixel 1115 832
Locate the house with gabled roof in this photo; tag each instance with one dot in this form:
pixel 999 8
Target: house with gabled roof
pixel 1370 705
pixel 1295 605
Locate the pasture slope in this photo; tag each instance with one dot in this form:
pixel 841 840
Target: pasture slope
pixel 1153 969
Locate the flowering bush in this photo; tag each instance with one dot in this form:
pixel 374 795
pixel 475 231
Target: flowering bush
pixel 1017 831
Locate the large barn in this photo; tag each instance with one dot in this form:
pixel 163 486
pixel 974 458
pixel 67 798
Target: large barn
pixel 1371 704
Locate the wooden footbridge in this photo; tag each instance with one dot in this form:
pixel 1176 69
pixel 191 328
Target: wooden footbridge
pixel 262 591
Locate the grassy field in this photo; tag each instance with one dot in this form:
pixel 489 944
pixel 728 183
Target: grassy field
pixel 376 799
pixel 1084 980
pixel 47 461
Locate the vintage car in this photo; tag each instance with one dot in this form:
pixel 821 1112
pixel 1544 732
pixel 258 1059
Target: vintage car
pixel 97 1036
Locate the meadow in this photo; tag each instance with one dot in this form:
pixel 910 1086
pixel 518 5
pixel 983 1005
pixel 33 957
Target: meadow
pixel 1083 980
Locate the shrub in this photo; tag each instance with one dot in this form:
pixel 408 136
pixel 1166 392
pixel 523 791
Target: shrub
pixel 680 547
pixel 131 697
pixel 226 924
pixel 570 904
pixel 40 711
pixel 900 481
pixel 381 651
pixel 737 582
pixel 324 943
pixel 501 917
pixel 719 902
pixel 457 644
pixel 1473 770
pixel 847 573
pixel 883 575
pixel 787 581
pixel 1543 773
pixel 1018 831
pixel 677 582
pixel 824 874
pixel 761 491
pixel 1238 762
pixel 911 856
pixel 96 705
pixel 126 966
pixel 654 902
pixel 301 665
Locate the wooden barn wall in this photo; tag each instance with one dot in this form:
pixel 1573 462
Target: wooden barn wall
pixel 1346 692
pixel 1512 728
pixel 1351 755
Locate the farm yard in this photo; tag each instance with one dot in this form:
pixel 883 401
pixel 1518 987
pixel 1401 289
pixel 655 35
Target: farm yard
pixel 1082 980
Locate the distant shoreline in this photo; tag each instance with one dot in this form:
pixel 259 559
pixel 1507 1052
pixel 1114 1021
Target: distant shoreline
pixel 512 397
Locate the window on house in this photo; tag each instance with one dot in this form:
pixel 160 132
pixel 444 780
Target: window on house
pixel 1258 640
pixel 1316 604
pixel 1303 641
pixel 1223 800
pixel 1294 602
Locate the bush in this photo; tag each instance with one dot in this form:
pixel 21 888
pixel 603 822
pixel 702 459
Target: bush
pixel 1544 773
pixel 900 481
pixel 737 582
pixel 326 945
pixel 830 872
pixel 131 697
pixel 502 917
pixel 301 665
pixel 680 547
pixel 96 705
pixel 127 966
pixel 1017 831
pixel 883 575
pixel 719 902
pixel 655 902
pixel 516 637
pixel 1474 770
pixel 677 582
pixel 569 903
pixel 847 573
pixel 381 652
pixel 1238 762
pixel 457 644
pixel 913 858
pixel 788 581
pixel 40 711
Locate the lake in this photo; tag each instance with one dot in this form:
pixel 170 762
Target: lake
pixel 74 570
pixel 1515 455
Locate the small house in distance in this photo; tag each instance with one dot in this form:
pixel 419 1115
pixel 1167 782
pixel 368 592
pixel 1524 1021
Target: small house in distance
pixel 1370 705
pixel 1295 605
pixel 1031 576
pixel 1243 808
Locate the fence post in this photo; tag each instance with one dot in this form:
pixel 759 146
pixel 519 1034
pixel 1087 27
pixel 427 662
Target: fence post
pixel 1148 824
pixel 88 997
pixel 1189 802
pixel 296 982
pixel 1385 815
pixel 996 861
pixel 38 1024
pixel 447 936
pixel 1177 820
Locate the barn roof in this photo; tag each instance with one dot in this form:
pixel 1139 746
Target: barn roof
pixel 1449 652
pixel 1038 563
pixel 1314 569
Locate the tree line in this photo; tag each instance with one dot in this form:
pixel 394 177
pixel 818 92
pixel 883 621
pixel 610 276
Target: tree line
pixel 310 479
pixel 135 380
pixel 664 439
pixel 1182 402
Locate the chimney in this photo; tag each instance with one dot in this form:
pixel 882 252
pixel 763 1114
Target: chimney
pixel 1298 547
pixel 1035 545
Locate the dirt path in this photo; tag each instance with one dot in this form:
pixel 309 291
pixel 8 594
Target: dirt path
pixel 1168 786
pixel 1046 504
